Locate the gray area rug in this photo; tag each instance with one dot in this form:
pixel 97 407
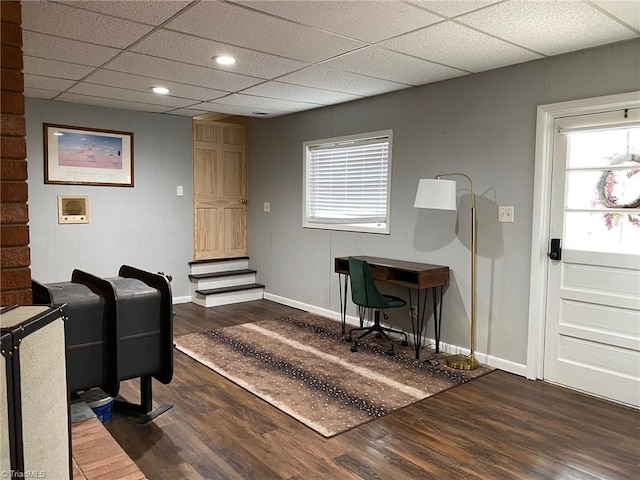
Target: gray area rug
pixel 303 366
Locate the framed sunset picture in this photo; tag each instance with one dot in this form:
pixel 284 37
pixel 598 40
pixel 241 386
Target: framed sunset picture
pixel 87 156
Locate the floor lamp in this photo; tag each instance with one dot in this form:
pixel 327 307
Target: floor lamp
pixel 441 195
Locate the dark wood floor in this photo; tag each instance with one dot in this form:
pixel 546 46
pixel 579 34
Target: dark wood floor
pixel 499 426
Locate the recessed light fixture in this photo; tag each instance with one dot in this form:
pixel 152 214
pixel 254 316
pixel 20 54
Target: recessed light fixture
pixel 225 60
pixel 160 90
pixel 260 114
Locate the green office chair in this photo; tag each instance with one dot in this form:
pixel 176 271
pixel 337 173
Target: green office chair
pixel 365 294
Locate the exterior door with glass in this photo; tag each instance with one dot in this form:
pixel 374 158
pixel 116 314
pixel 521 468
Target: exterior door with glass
pixel 592 336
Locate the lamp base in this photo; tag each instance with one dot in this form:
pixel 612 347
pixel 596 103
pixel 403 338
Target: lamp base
pixel 463 362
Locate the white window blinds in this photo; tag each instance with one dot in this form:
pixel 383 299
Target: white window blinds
pixel 348 182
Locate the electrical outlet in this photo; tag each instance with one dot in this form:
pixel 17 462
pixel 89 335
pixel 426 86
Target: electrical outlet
pixel 267 207
pixel 505 215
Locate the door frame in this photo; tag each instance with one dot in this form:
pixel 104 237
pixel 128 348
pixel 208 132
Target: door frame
pixel 546 116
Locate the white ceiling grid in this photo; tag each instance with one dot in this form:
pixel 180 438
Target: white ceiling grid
pixel 291 55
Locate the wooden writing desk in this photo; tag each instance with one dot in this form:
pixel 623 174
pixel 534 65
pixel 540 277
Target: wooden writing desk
pixel 413 275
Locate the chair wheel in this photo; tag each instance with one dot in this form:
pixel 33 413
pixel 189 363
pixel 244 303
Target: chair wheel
pixel 348 339
pixel 405 343
pixel 354 348
pixel 378 335
pixel 390 352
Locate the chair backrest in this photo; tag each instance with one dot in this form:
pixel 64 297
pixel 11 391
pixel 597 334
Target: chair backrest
pixel 363 287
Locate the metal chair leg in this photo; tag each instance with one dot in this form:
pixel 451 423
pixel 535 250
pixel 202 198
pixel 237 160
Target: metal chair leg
pixel 380 332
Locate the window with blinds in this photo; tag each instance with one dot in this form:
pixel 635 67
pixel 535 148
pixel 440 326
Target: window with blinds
pixel 347 182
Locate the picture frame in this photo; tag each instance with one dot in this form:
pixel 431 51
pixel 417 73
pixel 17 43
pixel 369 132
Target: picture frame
pixel 87 156
pixel 73 209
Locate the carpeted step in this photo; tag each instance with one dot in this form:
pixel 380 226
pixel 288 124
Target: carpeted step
pixel 237 288
pixel 225 273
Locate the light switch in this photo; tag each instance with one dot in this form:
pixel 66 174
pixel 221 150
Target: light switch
pixel 179 190
pixel 267 206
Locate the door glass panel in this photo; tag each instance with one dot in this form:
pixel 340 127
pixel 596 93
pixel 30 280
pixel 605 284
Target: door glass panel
pixel 604 148
pixel 603 232
pixel 602 201
pixel 603 189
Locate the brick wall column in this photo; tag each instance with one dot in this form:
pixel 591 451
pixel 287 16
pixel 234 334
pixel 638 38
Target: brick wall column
pixel 15 257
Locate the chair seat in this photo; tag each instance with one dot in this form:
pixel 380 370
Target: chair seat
pixel 394 302
pixel 383 302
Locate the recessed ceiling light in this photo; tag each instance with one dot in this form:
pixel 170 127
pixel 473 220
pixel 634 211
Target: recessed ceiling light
pixel 160 90
pixel 260 114
pixel 225 60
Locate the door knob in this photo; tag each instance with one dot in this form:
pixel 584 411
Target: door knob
pixel 556 249
pixel 243 201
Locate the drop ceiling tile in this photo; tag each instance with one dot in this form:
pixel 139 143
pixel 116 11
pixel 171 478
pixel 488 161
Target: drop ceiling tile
pixel 40 93
pixel 369 21
pixel 72 51
pixel 54 68
pixel 298 93
pixel 143 84
pixel 318 76
pixel 395 67
pixel 181 72
pixel 237 110
pixel 46 83
pixel 238 26
pixel 627 11
pixel 144 11
pixel 264 103
pixel 187 112
pixel 550 28
pixel 460 47
pixel 112 103
pixel 63 21
pixel 129 95
pixel 447 8
pixel 199 51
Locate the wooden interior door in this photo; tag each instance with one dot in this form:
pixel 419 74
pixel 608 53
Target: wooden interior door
pixel 220 190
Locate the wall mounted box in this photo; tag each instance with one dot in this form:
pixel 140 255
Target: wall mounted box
pixel 73 209
pixel 34 405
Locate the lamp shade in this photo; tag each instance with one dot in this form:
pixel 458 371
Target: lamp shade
pixel 436 193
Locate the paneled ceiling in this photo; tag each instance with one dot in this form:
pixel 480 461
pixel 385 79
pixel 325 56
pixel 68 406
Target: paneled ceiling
pixel 291 55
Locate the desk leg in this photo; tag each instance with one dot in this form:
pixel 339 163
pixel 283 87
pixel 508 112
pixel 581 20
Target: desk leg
pixel 437 315
pixel 343 299
pixel 417 322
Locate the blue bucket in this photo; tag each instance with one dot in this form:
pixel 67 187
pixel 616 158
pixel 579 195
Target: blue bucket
pixel 100 403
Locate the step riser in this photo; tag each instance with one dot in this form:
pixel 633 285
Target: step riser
pixel 241 279
pixel 221 266
pixel 231 281
pixel 219 299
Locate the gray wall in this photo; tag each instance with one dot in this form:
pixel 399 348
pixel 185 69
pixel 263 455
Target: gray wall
pixel 147 226
pixel 483 125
